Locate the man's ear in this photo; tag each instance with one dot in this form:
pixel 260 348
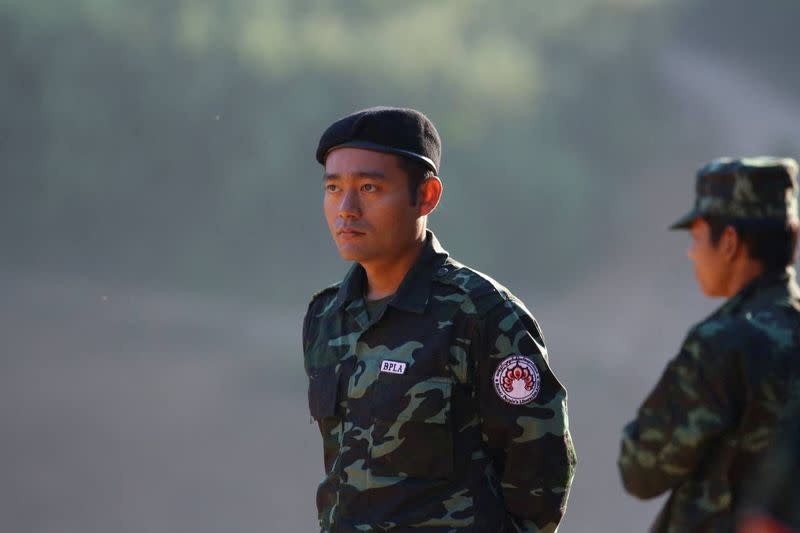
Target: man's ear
pixel 429 193
pixel 730 244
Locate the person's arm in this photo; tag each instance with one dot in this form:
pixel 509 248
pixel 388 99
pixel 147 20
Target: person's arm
pixel 771 498
pixel 524 423
pixel 688 408
pixel 762 523
pixel 321 389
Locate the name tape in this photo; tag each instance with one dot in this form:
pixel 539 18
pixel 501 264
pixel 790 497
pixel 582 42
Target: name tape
pixel 393 367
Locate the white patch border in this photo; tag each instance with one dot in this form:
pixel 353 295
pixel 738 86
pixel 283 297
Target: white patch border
pixel 503 366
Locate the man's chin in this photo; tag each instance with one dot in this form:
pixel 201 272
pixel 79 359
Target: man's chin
pixel 351 253
pixel 709 291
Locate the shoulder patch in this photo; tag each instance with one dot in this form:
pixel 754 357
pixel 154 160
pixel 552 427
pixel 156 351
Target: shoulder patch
pixel 516 380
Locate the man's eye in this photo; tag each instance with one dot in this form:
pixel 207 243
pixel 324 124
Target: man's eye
pixel 368 187
pixel 331 187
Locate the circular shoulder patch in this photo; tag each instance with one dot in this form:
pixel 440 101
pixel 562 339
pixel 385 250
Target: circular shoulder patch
pixel 516 380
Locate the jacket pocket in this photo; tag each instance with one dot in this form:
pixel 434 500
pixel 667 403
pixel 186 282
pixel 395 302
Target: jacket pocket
pixel 412 432
pixel 322 403
pixel 322 393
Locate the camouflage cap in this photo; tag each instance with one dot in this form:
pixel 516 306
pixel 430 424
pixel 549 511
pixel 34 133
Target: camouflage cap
pixel 756 188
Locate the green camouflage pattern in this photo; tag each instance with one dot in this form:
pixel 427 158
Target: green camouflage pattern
pixel 758 188
pixel 775 490
pixel 434 449
pixel 713 412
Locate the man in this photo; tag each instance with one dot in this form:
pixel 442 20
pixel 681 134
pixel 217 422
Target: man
pixel 429 381
pixel 712 413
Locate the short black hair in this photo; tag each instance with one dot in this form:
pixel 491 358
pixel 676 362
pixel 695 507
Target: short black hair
pixel 416 172
pixel 771 243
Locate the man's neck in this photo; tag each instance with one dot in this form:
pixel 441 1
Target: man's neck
pixel 385 276
pixel 743 273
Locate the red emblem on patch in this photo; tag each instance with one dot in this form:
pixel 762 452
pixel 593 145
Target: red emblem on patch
pixel 515 374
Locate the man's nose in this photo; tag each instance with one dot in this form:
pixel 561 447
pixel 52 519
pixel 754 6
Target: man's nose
pixel 350 206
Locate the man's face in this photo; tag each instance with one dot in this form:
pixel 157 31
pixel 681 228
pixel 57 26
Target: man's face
pixel 711 267
pixel 368 205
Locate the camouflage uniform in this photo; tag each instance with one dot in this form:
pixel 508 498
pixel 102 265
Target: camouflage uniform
pixel 776 489
pixel 415 436
pixel 714 409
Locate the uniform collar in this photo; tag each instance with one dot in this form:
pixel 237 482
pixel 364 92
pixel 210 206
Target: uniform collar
pixel 415 289
pixel 771 285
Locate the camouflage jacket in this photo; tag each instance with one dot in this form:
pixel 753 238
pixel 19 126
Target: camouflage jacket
pixel 713 411
pixel 776 487
pixel 415 433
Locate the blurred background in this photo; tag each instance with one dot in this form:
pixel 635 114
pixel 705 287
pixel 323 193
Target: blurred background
pixel 162 232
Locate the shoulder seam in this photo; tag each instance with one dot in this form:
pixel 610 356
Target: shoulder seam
pixel 486 288
pixel 724 325
pixel 317 295
pixel 334 286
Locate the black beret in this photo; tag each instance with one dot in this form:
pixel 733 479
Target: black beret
pixel 394 130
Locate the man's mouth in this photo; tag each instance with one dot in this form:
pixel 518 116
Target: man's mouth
pixel 348 233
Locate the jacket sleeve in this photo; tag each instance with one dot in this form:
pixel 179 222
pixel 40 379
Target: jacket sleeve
pixel 526 433
pixel 322 387
pixel 690 406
